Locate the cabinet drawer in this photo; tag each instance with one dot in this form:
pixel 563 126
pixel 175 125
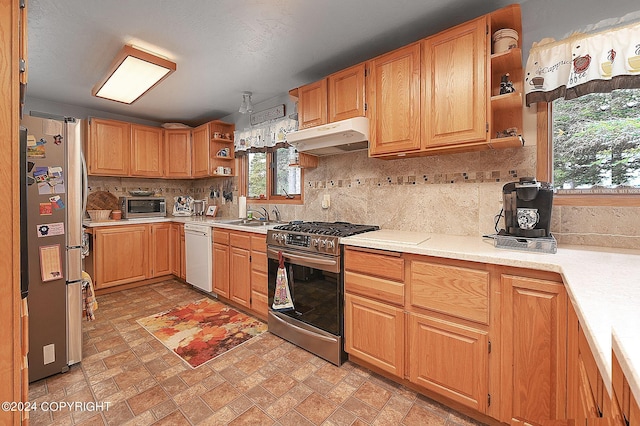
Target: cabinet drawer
pixel 220 237
pixel 240 240
pixel 389 266
pixel 259 261
pixel 259 243
pixel 452 290
pixel 259 303
pixel 374 288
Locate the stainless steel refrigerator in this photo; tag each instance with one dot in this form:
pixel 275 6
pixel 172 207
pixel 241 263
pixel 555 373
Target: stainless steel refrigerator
pixel 55 186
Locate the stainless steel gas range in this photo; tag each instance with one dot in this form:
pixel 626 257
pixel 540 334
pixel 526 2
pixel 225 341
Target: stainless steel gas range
pixel 312 259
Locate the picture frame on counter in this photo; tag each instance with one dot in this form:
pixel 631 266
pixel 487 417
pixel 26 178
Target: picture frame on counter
pixel 211 211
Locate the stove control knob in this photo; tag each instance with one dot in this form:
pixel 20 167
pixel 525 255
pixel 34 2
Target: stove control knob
pixel 315 242
pixel 322 243
pixel 330 245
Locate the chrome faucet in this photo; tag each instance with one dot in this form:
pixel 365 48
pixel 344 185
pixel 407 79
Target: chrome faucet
pixel 264 214
pixel 276 212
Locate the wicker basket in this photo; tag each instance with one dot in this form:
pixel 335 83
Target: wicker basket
pixel 99 215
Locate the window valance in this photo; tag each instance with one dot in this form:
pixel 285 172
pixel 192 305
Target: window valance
pixel 265 137
pixel 583 64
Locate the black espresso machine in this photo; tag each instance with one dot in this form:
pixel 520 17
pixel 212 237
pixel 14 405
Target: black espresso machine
pixel 527 208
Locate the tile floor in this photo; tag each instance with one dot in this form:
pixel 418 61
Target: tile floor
pixel 266 381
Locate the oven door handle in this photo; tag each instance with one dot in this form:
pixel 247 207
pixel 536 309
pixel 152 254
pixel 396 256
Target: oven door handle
pixel 306 260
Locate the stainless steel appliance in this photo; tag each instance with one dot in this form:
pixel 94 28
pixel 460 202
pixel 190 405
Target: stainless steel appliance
pixel 313 261
pixel 198 252
pixel 55 180
pixel 136 207
pixel 527 208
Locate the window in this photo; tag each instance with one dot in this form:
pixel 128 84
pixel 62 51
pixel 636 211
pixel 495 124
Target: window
pixel 596 143
pixel 269 176
pixel 589 147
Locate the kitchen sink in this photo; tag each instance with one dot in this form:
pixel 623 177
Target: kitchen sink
pixel 253 223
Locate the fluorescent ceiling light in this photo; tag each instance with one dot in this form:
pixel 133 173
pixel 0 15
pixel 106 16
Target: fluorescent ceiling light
pixel 132 74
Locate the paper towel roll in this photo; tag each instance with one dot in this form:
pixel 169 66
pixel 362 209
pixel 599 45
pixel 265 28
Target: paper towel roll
pixel 242 207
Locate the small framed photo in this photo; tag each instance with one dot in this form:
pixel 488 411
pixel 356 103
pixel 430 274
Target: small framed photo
pixel 212 210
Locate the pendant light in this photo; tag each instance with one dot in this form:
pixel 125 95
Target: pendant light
pixel 246 106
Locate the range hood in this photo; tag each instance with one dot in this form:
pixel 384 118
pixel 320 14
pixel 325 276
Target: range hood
pixel 333 138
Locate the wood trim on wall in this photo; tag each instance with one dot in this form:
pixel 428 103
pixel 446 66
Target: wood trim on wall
pixel 10 329
pixel 544 156
pixel 544 169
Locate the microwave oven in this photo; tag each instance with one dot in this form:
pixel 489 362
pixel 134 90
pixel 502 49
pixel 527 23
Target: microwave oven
pixel 136 207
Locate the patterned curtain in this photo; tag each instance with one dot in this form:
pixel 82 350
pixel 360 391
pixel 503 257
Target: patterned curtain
pixel 583 64
pixel 264 137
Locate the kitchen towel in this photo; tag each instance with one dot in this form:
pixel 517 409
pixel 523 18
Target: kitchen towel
pixel 282 296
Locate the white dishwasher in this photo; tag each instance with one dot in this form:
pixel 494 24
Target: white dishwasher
pixel 198 253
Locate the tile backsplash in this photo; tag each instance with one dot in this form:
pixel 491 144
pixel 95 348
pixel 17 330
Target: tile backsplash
pixel 458 194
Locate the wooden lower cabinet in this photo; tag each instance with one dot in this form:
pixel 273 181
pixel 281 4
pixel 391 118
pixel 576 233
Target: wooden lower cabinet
pixel 183 255
pixel 174 249
pixel 160 250
pixel 534 350
pixel 374 332
pixel 221 262
pixel 449 359
pixel 259 275
pixel 438 335
pixel 240 269
pixel 121 255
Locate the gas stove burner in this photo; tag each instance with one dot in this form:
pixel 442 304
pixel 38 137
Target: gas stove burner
pixel 338 229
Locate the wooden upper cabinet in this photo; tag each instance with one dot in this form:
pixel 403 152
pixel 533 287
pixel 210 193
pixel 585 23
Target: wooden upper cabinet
pixel 346 93
pixel 109 147
pixel 393 98
pixel 534 356
pixel 454 72
pixel 146 151
pixel 312 104
pixel 177 147
pixel 200 151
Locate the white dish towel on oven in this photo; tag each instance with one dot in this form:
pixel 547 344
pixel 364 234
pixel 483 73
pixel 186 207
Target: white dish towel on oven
pixel 282 296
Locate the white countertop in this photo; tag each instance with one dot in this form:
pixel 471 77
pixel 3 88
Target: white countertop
pixel 213 222
pixel 603 284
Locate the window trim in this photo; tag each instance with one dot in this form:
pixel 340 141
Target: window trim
pixel 243 184
pixel 544 169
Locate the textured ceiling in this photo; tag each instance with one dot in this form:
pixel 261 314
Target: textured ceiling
pixel 221 47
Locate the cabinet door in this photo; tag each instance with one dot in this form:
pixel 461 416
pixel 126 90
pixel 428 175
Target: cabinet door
pixel 240 276
pixel 534 342
pixel 121 255
pixel 312 104
pixel 221 269
pixel 160 250
pixel 346 93
pixel 146 151
pixel 109 147
pixel 393 98
pixel 374 332
pixel 455 85
pixel 200 151
pixel 449 359
pixel 177 146
pixel 174 249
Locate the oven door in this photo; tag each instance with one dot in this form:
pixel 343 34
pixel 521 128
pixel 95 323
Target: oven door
pixel 316 322
pixel 315 283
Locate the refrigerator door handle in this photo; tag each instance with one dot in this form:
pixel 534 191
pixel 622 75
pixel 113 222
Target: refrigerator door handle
pixel 85 183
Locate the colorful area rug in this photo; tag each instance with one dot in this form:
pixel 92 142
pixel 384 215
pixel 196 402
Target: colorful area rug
pixel 202 330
